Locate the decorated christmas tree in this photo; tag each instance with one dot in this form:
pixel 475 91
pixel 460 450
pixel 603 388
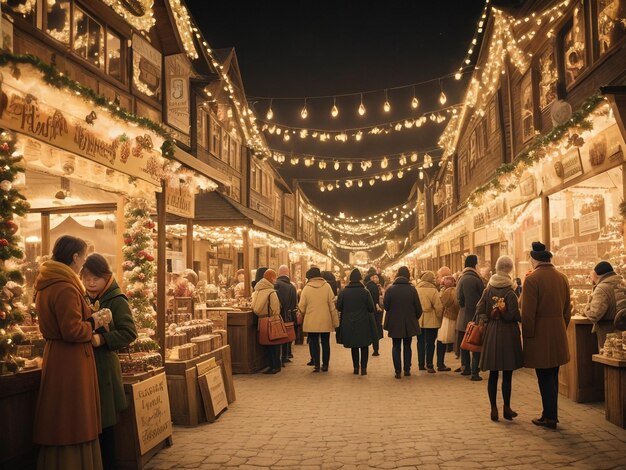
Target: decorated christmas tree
pixel 12 204
pixel 139 265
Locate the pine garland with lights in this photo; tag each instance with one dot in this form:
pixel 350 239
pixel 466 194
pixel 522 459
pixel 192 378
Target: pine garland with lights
pixel 12 203
pixel 139 264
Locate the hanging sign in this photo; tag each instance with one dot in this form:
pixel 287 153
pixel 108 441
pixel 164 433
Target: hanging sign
pixel 146 68
pixel 177 73
pixel 180 201
pixel 133 155
pixel 589 223
pixel 152 412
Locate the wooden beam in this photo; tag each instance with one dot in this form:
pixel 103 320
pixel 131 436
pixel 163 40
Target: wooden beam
pixel 104 207
pixel 45 234
pixel 189 244
pixel 161 270
pixel 119 240
pixel 545 222
pixel 246 264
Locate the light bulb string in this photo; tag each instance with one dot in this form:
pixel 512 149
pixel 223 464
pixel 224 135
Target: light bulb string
pixel 356 161
pixel 373 126
pixel 367 176
pixel 359 220
pixel 467 69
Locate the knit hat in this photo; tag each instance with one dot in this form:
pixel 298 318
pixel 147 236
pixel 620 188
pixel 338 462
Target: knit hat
pixel 355 275
pixel 504 265
pixel 539 252
pixel 260 272
pixel 471 261
pixel 313 272
pixel 603 267
pixel 443 272
pixel 403 271
pixel 428 276
pixel 371 270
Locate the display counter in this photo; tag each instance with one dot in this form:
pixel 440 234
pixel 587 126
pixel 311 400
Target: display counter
pixel 614 388
pixel 182 384
pixel 18 401
pixel 248 355
pixel 581 379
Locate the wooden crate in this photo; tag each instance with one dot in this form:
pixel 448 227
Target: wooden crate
pixel 248 354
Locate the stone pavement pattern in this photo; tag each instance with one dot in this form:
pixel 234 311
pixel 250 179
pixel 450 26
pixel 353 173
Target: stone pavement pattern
pixel 336 420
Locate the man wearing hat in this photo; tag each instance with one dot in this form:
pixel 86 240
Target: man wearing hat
pixel 601 309
pixel 468 291
pixel 546 312
pixel 320 317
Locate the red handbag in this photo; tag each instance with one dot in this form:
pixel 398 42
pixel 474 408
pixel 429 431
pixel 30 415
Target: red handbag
pixel 273 330
pixel 473 338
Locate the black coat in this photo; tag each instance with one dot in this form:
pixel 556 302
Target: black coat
pixel 468 292
pixel 357 325
pixel 403 308
pixel 288 298
pixel 374 291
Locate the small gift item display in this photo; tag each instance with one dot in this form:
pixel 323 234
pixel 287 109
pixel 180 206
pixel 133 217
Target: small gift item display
pixel 614 346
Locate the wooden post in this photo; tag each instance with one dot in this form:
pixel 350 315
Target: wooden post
pixel 624 199
pixel 119 239
pixel 246 262
pixel 545 221
pixel 189 243
pixel 45 234
pixel 161 270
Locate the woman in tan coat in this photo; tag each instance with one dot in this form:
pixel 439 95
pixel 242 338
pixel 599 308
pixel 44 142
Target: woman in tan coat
pixel 430 321
pixel 67 418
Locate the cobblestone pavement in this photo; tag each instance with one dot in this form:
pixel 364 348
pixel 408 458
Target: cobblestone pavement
pixel 336 420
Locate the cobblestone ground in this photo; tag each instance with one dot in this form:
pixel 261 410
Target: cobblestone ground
pixel 336 420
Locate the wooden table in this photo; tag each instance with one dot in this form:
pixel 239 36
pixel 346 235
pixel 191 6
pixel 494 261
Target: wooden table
pixel 581 380
pixel 248 354
pixel 127 454
pixel 18 401
pixel 182 384
pixel 614 389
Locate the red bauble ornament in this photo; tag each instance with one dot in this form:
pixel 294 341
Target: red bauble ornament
pixel 4 242
pixel 150 225
pixel 3 315
pixel 12 226
pixel 149 257
pixel 4 147
pixel 128 240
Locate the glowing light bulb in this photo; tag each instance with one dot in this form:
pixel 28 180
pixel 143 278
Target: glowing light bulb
pixel 334 112
pixel 400 174
pixel 358 136
pixel 372 181
pixel 349 166
pixel 360 183
pixel 286 137
pixel 457 76
pixel 270 114
pixel 336 166
pixel 413 157
pixel 421 175
pixel 361 109
pixel 415 103
pixel 304 113
pixel 384 163
pixel 442 98
pixel 387 107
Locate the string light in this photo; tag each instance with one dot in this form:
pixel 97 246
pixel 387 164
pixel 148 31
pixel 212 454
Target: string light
pixel 386 106
pixel 334 112
pixel 270 113
pixel 414 102
pixel 442 96
pixel 361 107
pixel 304 113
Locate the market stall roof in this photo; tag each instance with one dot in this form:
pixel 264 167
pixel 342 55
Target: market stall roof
pixel 213 208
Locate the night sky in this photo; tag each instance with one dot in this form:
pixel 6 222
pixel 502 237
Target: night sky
pixel 306 49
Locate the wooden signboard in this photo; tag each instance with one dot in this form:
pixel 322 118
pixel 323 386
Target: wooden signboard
pixel 213 391
pixel 152 412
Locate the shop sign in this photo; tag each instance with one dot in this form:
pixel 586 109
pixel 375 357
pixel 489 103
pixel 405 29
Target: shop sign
pixel 134 156
pixel 180 201
pixel 146 67
pixel 528 187
pixel 589 223
pixel 177 72
pixel 495 210
pixel 570 166
pixel 152 412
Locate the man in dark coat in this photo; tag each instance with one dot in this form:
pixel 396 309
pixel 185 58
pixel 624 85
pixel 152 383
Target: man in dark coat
pixel 371 284
pixel 546 312
pixel 468 290
pixel 404 309
pixel 288 305
pixel 357 326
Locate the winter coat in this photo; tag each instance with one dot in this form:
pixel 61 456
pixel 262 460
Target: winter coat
pixel 432 308
pixel 374 291
pixel 468 293
pixel 121 333
pixel 356 324
pixel 262 294
pixel 601 308
pixel 404 309
pixel 68 409
pixel 450 303
pixel 502 343
pixel 317 306
pixel 288 298
pixel 546 311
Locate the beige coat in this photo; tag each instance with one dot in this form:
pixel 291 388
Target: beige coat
pixel 317 306
pixel 546 311
pixel 263 291
pixel 601 308
pixel 432 308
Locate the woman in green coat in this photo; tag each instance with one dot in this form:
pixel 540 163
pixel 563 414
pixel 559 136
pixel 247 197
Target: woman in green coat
pixel 103 292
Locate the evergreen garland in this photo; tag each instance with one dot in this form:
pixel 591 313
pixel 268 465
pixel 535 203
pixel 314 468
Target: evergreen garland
pixel 12 204
pixel 536 151
pixel 58 80
pixel 139 265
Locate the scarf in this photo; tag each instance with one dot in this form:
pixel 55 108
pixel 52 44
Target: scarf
pixel 501 280
pixel 95 305
pixel 55 270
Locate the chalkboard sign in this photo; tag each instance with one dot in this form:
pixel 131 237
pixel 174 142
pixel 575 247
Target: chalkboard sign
pixel 152 412
pixel 213 393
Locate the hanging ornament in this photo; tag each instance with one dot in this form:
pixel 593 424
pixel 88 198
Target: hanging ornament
pixel 4 242
pixel 11 226
pixel 6 185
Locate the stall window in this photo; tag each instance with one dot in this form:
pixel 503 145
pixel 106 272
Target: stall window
pixel 201 127
pixel 114 55
pixel 26 8
pixel 574 46
pixel 234 150
pixel 253 174
pixel 463 169
pixel 473 149
pixel 526 93
pixel 215 139
pixel 58 20
pixel 225 146
pixel 611 23
pixel 549 78
pixel 88 38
